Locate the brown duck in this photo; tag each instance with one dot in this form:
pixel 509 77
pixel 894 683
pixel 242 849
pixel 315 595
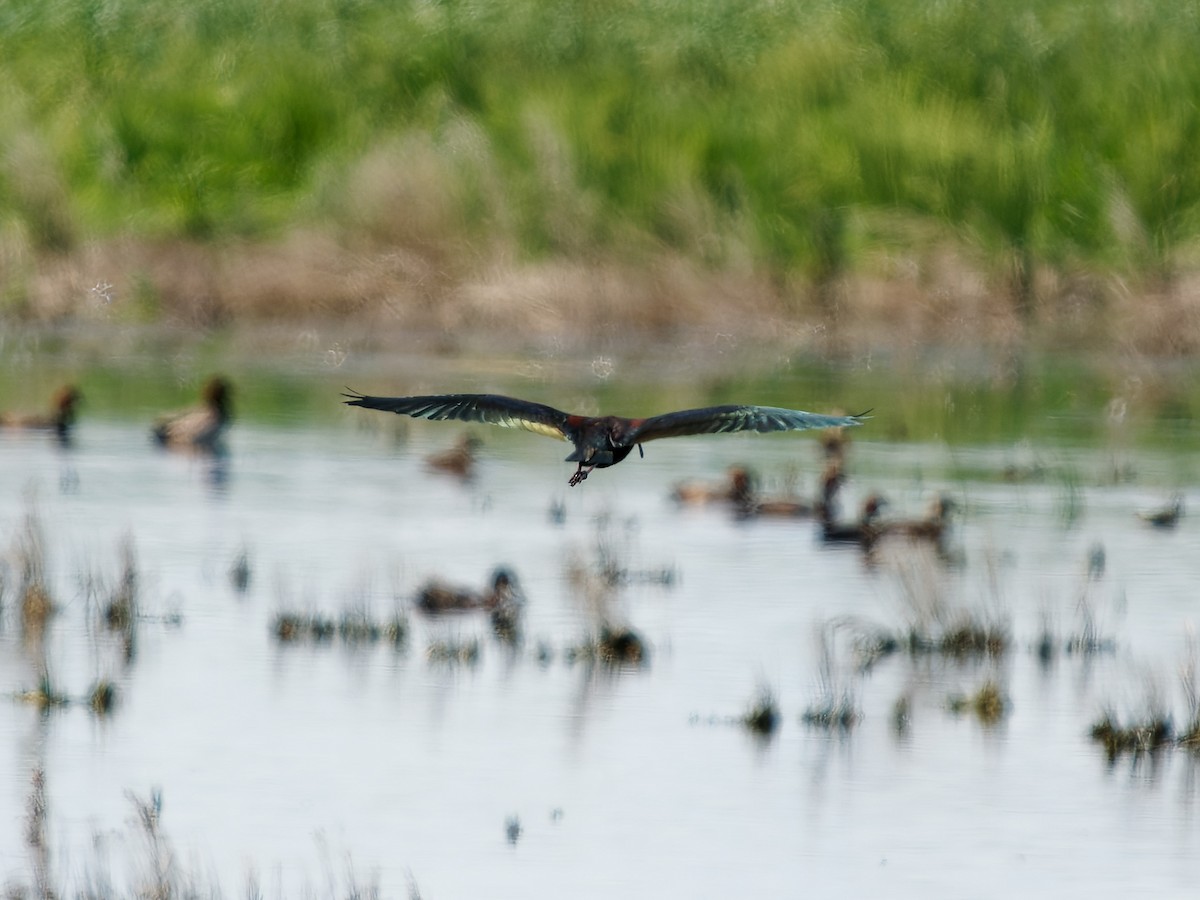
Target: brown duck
pixel 199 429
pixel 600 441
pixel 436 596
pixel 736 489
pixel 458 459
pixel 60 419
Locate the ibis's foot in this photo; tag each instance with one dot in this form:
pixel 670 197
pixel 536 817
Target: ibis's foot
pixel 579 477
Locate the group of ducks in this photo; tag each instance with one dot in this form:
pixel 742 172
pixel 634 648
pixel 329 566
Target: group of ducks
pixel 198 429
pixel 739 493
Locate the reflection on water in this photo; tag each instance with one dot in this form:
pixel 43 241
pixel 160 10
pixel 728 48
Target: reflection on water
pixel 536 767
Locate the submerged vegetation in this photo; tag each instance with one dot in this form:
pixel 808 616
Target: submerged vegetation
pixel 471 161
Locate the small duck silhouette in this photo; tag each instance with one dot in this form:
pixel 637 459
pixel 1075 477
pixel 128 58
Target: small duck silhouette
pixel 794 508
pixel 864 532
pixel 458 459
pixel 600 441
pixel 59 420
pixel 930 530
pixel 199 429
pixel 931 527
pixel 1167 517
pixel 737 489
pixel 437 596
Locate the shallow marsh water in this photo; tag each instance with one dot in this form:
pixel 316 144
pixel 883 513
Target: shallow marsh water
pixel 316 766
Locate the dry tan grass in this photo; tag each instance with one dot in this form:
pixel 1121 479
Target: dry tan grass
pixel 425 278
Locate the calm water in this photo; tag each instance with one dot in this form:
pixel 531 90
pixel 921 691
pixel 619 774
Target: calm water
pixel 317 766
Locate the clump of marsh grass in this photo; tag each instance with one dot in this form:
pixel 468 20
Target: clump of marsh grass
pixel 609 566
pixel 762 717
pixel 512 829
pixel 597 583
pixel 1149 729
pixel 1086 638
pixel 121 610
pixel 35 834
pixel 901 717
pixel 453 651
pixel 36 609
pixel 353 628
pixel 29 554
pixel 988 704
pixel 46 696
pixel 163 880
pixel 506 621
pixel 291 627
pixel 833 714
pixel 240 572
pixel 612 645
pixel 1071 503
pixel 1189 678
pixel 837 705
pixel 103 697
pixel 939 627
pixel 1146 735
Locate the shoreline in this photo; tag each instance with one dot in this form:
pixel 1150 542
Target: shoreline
pixel 896 305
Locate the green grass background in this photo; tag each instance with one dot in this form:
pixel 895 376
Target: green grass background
pixel 793 136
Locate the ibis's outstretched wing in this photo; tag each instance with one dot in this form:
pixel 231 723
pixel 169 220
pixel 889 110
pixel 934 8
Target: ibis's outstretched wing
pixel 721 419
pixel 491 409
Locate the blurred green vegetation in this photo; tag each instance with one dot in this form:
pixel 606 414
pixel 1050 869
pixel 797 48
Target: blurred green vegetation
pixel 796 136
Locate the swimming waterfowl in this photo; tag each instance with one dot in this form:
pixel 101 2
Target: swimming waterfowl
pixel 737 489
pixel 864 532
pixel 930 528
pixel 60 419
pixel 793 508
pixel 600 441
pixel 199 429
pixel 436 596
pixel 1168 517
pixel 458 459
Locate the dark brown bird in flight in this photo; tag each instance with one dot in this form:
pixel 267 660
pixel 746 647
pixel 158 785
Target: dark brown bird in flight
pixel 600 441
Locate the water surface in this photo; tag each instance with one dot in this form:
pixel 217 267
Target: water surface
pixel 315 766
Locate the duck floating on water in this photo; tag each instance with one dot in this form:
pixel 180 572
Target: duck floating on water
pixel 458 459
pixel 737 489
pixel 437 596
pixel 199 429
pixel 60 419
pixel 1167 517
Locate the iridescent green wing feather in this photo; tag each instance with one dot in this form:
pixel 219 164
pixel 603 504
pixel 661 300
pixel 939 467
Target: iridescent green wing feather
pixel 723 419
pixel 490 409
